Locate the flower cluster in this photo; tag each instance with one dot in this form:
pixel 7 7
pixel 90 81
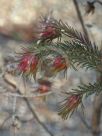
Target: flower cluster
pixel 52 58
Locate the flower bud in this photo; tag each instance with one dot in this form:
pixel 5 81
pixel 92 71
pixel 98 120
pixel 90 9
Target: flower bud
pixel 44 86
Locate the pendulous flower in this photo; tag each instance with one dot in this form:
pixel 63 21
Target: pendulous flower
pixel 28 63
pixel 48 30
pixel 69 105
pixel 49 33
pixel 59 64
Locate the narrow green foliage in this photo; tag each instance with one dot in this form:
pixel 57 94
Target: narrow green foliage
pixel 89 58
pixel 89 89
pixel 72 33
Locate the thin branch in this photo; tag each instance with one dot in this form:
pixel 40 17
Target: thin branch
pixel 84 121
pixel 36 117
pixel 4 122
pixel 25 98
pixel 96 117
pixel 80 18
pixel 98 1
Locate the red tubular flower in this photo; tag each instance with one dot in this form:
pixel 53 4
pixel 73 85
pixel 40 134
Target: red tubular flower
pixel 59 64
pixel 28 63
pixel 50 33
pixel 48 29
pixel 69 105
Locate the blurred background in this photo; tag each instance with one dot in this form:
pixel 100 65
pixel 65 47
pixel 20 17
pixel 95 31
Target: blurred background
pixel 18 21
